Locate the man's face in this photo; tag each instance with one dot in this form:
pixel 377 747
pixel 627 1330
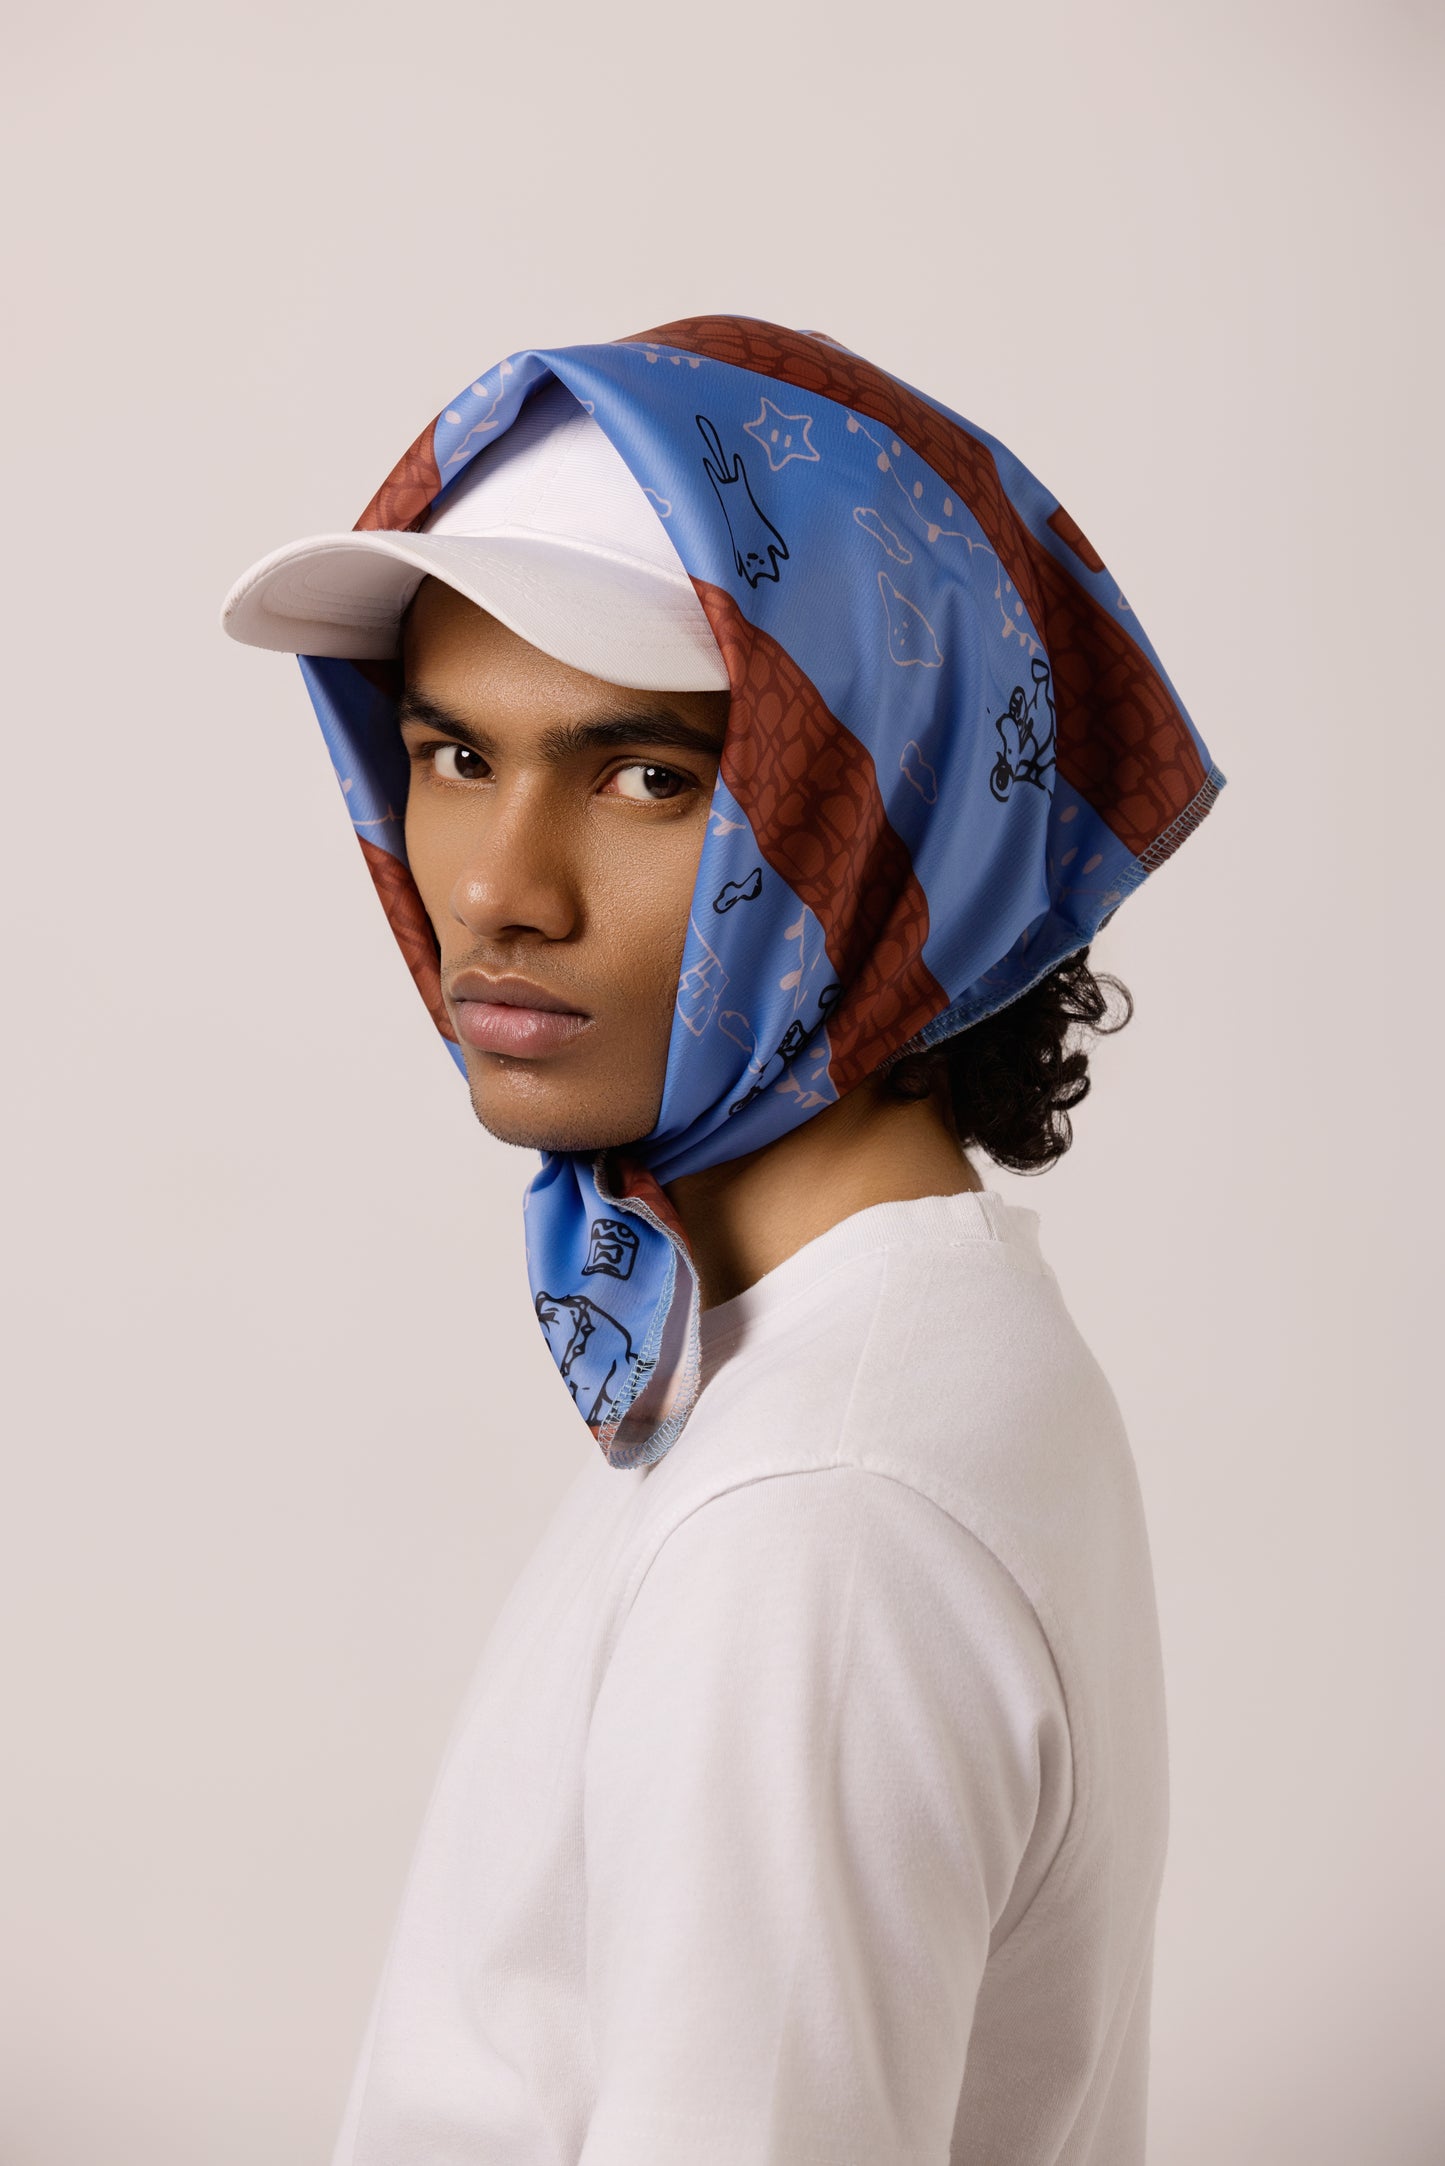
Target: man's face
pixel 553 827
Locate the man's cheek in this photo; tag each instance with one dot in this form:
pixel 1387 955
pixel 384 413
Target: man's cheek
pixel 435 878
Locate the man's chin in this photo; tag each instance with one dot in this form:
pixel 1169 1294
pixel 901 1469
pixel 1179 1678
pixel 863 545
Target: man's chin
pixel 527 1128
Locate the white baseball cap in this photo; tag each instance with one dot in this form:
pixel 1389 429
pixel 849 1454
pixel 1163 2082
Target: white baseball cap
pixel 546 529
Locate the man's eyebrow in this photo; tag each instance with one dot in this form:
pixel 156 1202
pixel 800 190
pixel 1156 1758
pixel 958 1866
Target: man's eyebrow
pixel 564 740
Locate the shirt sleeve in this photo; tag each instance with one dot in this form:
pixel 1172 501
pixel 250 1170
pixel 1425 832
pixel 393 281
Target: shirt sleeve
pixel 812 1773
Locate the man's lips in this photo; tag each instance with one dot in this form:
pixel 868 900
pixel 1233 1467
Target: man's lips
pixel 512 1015
pixel 498 1027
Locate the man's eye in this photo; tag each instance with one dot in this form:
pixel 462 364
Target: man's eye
pixel 457 753
pixel 649 775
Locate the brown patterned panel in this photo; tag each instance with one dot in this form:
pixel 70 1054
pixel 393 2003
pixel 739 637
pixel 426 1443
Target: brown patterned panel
pixel 631 1178
pixel 1122 742
pixel 810 791
pixel 401 503
pixel 1069 530
pixel 412 927
pixel 386 677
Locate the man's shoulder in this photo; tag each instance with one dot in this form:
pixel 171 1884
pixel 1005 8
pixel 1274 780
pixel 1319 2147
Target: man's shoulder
pixel 956 1372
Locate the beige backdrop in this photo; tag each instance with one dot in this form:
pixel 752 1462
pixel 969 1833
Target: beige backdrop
pixel 283 1426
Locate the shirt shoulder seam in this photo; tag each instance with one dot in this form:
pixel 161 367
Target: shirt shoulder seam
pixel 904 1481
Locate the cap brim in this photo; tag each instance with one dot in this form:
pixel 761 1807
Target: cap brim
pixel 615 618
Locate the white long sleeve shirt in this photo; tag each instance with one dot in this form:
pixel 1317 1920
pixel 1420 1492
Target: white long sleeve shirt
pixel 809 1804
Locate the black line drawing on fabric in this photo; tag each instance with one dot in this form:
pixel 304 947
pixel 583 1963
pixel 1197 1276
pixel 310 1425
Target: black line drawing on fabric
pixel 776 432
pixel 865 516
pixel 790 1083
pixel 747 1098
pixel 919 772
pixel 735 891
pixel 911 644
pixel 795 1039
pixel 612 1247
pixel 755 556
pixel 592 1350
pixel 701 986
pixel 1025 756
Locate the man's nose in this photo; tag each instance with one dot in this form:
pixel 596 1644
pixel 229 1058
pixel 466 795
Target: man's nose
pixel 519 874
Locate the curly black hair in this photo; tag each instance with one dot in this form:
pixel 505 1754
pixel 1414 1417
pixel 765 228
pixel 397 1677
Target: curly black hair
pixel 1012 1078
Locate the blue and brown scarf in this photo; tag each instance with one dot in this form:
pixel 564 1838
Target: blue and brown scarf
pixel 951 753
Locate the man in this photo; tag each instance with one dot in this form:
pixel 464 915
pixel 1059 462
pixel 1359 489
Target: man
pixel 734 735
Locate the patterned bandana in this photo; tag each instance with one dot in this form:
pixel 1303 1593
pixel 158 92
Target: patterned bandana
pixel 951 753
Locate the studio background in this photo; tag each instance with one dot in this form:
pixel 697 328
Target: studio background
pixel 282 1427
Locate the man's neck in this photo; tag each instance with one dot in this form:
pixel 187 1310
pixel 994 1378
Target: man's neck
pixel 747 1216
